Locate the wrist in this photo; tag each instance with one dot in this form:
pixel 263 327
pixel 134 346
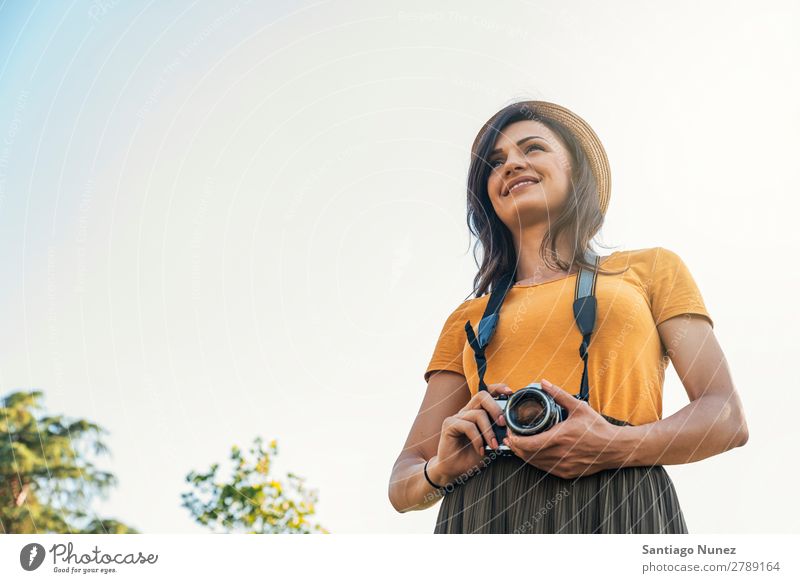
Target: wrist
pixel 435 474
pixel 625 447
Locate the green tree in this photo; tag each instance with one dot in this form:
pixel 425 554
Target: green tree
pixel 251 501
pixel 47 478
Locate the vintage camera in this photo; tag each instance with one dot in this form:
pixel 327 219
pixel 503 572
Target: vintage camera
pixel 528 411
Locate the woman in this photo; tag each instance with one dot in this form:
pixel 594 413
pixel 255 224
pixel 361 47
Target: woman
pixel 540 183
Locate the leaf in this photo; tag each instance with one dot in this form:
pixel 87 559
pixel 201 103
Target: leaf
pixel 250 501
pixel 51 457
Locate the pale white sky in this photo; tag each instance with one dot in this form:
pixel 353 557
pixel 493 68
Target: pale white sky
pixel 227 221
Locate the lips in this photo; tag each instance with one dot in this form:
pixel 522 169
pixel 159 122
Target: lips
pixel 520 182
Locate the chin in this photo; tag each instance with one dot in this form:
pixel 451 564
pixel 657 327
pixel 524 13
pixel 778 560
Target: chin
pixel 530 215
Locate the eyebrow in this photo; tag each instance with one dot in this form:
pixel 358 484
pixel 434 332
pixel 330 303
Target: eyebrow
pixel 519 143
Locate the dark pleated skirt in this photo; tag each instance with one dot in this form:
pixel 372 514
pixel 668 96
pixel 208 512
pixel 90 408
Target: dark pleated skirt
pixel 512 496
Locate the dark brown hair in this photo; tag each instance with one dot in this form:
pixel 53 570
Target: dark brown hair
pixel 581 217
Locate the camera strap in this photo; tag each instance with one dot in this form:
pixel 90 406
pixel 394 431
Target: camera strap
pixel 584 309
pixel 488 325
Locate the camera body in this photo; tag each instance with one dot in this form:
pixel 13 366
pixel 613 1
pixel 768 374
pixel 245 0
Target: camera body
pixel 527 411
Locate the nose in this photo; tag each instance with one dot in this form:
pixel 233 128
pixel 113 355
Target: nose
pixel 514 163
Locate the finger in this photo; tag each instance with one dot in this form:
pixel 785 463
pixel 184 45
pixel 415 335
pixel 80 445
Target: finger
pixel 483 400
pixel 560 396
pixel 468 429
pixel 533 442
pixel 481 419
pixel 497 389
pixel 494 390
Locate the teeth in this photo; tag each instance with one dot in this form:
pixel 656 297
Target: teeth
pixel 523 183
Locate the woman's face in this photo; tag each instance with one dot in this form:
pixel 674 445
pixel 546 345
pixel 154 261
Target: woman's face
pixel 528 149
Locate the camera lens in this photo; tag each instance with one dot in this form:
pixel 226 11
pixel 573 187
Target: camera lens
pixel 530 410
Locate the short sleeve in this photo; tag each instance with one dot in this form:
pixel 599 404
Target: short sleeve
pixel 673 290
pixel 449 351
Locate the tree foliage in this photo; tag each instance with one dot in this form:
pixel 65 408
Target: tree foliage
pixel 251 500
pixel 47 477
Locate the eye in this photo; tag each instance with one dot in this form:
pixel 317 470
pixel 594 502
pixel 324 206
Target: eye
pixel 527 150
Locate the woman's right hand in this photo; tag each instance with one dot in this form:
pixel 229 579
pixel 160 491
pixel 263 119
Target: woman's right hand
pixel 463 435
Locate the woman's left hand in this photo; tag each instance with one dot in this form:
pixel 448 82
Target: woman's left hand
pixel 578 446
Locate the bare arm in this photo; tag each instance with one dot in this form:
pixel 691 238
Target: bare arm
pixel 713 421
pixel 446 394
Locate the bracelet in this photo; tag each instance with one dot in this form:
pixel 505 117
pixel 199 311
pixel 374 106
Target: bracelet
pixel 427 477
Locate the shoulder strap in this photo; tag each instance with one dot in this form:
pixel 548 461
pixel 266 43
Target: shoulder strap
pixel 488 325
pixel 585 310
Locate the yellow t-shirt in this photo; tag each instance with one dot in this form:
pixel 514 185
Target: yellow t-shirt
pixel 536 336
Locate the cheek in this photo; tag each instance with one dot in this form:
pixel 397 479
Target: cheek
pixel 564 171
pixel 493 185
pixel 563 161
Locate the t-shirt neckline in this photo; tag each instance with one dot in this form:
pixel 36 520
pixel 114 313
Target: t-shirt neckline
pixel 602 261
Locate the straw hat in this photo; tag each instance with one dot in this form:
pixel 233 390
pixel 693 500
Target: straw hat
pixel 595 153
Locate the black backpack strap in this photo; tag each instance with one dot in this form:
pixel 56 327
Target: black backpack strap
pixel 585 310
pixel 488 325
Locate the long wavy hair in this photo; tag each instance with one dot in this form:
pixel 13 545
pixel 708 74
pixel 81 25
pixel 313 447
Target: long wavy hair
pixel 580 218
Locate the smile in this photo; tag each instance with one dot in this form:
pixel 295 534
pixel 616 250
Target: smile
pixel 522 184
